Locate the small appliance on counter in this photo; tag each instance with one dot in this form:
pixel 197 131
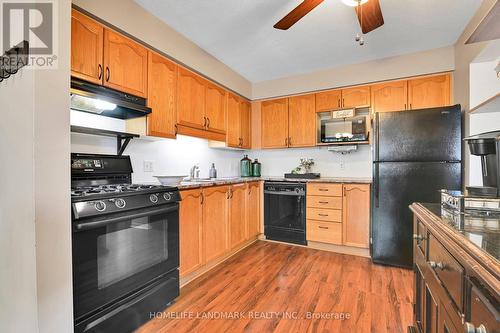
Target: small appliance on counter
pixel 245 167
pixel 212 173
pixel 487 146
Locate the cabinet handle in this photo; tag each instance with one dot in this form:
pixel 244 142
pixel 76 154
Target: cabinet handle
pixel 410 106
pixel 323 189
pixel 208 122
pixel 99 68
pixel 176 129
pixel 321 227
pixel 405 107
pixel 437 265
pixel 418 238
pixel 338 102
pixel 202 198
pixel 320 214
pixel 286 142
pixel 205 122
pixel 470 328
pixel 323 202
pixel 289 141
pixel 241 142
pixel 108 73
pixel 343 103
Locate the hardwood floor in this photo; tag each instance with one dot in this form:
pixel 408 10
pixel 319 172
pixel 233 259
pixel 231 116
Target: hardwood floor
pixel 272 287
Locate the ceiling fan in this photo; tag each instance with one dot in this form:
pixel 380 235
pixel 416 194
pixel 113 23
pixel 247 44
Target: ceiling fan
pixel 368 12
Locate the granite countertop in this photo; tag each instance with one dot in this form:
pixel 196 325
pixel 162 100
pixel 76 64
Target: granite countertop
pixel 236 180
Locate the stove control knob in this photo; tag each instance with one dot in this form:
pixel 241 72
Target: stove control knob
pixel 100 206
pixel 167 196
pixel 153 198
pixel 120 203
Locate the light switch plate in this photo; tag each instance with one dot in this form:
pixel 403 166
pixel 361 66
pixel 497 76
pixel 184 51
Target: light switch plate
pixel 148 166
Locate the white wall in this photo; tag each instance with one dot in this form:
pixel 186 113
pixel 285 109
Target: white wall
pixel 432 61
pixel 484 82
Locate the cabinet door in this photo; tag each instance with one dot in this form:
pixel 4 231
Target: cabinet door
pixel 356 211
pixel 215 218
pixel 431 312
pixel 274 115
pixel 190 99
pixel 419 299
pixel 126 64
pixel 87 38
pixel 356 97
pixel 162 88
pixel 190 231
pixel 246 119
pixel 215 108
pixel 237 215
pixel 446 324
pixel 233 134
pixel 389 96
pixel 328 100
pixel 429 92
pixel 253 209
pixel 301 121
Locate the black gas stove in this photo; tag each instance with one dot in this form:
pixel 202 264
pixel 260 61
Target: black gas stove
pixel 125 245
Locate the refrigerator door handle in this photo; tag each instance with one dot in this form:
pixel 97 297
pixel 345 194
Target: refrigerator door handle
pixel 376 137
pixel 376 185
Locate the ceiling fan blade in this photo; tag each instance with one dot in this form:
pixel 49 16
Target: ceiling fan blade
pixel 372 16
pixel 295 15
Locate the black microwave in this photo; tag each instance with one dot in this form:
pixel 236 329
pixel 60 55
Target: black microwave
pixel 347 129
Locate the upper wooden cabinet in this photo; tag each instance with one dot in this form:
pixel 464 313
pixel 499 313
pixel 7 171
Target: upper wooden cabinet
pixel 253 209
pixel 301 121
pixel 162 92
pixel 274 115
pixel 125 64
pixel 356 97
pixel 328 100
pixel 215 108
pixel 215 217
pixel 389 96
pixel 428 92
pixel 246 123
pixel 190 231
pixel 87 38
pixel 190 99
pixel 237 215
pixel 356 215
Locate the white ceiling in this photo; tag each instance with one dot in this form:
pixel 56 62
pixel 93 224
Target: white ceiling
pixel 240 33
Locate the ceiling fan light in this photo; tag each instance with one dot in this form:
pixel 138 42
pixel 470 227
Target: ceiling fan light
pixel 353 3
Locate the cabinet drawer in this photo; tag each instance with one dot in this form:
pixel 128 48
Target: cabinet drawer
pixel 448 271
pixel 324 202
pixel 483 312
pixel 328 215
pixel 324 232
pixel 330 190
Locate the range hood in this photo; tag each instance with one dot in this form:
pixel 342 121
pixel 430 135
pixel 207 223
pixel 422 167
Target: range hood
pixel 93 98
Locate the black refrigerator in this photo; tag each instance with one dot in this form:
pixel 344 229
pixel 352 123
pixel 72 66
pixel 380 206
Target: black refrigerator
pixel 415 154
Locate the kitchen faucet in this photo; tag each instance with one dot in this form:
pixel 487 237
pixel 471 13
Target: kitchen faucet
pixel 195 169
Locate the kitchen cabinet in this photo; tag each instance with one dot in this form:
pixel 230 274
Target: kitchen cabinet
pixel 125 64
pixel 215 108
pixel 274 115
pixel 301 121
pixel 328 100
pixel 429 92
pixel 253 209
pixel 87 40
pixel 237 215
pixel 356 97
pixel 190 231
pixel 356 214
pixel 389 96
pixel 215 226
pixel 162 92
pixel 238 122
pixel 190 99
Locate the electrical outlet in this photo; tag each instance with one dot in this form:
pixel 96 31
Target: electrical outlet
pixel 148 166
pixel 342 165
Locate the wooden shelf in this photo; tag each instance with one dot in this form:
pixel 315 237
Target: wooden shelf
pixel 122 138
pixel 492 104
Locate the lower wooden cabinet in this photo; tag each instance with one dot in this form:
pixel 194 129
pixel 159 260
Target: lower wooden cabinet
pixel 214 221
pixel 356 215
pixel 190 231
pixel 215 229
pixel 338 214
pixel 237 215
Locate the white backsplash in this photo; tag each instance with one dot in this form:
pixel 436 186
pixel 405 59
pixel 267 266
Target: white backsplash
pixel 176 157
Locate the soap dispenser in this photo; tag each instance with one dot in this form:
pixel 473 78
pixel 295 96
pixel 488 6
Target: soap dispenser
pixel 213 171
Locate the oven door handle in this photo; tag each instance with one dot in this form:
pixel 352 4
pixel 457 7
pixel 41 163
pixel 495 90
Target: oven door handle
pixel 101 222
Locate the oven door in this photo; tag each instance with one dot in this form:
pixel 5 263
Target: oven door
pixel 118 254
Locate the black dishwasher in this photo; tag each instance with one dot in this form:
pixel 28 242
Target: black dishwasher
pixel 285 212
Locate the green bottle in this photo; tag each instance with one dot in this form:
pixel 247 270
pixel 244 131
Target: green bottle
pixel 246 167
pixel 256 167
